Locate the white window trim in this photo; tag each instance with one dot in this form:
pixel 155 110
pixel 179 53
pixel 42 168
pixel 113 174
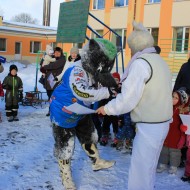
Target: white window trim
pixel 5 45
pixel 152 1
pixel 122 35
pixel 96 6
pixel 123 5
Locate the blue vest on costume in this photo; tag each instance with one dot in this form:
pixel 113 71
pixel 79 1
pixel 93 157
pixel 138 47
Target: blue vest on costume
pixel 63 96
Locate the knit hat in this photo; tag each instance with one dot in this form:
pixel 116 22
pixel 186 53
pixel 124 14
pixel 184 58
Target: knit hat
pixel 108 47
pixel 74 50
pixel 116 75
pixel 59 50
pixel 49 50
pixel 13 67
pixel 140 38
pixel 183 96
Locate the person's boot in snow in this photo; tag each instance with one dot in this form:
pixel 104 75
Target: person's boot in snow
pixel 161 168
pixel 185 178
pixel 10 118
pixel 65 169
pixel 104 140
pixel 15 118
pixel 172 170
pixel 114 143
pixel 97 162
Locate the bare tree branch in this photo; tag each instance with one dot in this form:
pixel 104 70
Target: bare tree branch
pixel 24 18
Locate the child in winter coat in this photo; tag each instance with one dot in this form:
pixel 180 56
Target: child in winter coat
pixel 13 85
pixel 186 176
pixel 108 120
pixel 2 97
pixel 171 151
pixel 46 60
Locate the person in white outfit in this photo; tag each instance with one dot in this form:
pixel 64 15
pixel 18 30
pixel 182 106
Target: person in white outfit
pixel 147 93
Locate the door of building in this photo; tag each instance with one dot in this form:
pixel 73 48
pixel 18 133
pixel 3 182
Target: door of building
pixel 18 50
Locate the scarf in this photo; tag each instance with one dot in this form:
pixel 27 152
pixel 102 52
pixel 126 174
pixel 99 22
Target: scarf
pixel 135 56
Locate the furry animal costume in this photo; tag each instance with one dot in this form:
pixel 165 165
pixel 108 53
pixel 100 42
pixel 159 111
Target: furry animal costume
pixel 86 81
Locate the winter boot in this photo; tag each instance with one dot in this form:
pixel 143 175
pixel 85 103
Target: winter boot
pixel 114 143
pixel 97 162
pixel 65 169
pixel 104 140
pixel 10 118
pixel 161 168
pixel 15 118
pixel 185 179
pixel 172 170
pixel 119 145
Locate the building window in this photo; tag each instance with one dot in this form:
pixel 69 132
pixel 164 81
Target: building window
pixel 99 4
pixel 93 35
pixel 120 3
pixel 53 44
pixel 35 47
pixel 3 45
pixel 154 32
pixel 78 45
pixel 117 40
pixel 180 39
pixel 154 1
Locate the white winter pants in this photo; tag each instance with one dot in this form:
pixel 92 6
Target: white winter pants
pixel 147 146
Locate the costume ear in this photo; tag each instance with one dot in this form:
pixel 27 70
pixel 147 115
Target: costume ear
pixel 93 45
pixel 105 79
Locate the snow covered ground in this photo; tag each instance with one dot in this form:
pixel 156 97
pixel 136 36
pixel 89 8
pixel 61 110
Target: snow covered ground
pixel 27 161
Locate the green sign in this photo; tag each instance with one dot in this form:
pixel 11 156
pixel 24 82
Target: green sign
pixel 73 18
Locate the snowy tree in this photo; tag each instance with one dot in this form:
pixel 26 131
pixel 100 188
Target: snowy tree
pixel 24 18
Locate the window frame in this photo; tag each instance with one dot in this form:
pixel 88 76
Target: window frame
pixel 150 30
pixel 5 45
pixel 32 48
pixel 152 1
pixel 96 5
pixel 125 4
pixel 183 48
pixel 123 37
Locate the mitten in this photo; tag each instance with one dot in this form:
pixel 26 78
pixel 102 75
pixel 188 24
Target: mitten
pixel 183 128
pixel 181 141
pixel 55 79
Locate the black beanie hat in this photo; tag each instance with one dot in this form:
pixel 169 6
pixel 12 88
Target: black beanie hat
pixel 59 50
pixel 13 67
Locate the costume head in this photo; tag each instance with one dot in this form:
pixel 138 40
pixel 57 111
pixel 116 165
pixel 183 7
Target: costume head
pixel 13 67
pixel 97 58
pixel 49 50
pixel 140 38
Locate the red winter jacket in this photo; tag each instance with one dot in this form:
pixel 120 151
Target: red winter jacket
pixel 174 133
pixel 1 90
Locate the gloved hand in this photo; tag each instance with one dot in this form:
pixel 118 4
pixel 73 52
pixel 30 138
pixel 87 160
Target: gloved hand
pixel 55 79
pixel 181 141
pixel 112 92
pixel 183 128
pixel 2 98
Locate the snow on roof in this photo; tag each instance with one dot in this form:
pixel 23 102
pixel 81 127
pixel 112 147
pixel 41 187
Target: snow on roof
pixel 27 31
pixel 29 25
